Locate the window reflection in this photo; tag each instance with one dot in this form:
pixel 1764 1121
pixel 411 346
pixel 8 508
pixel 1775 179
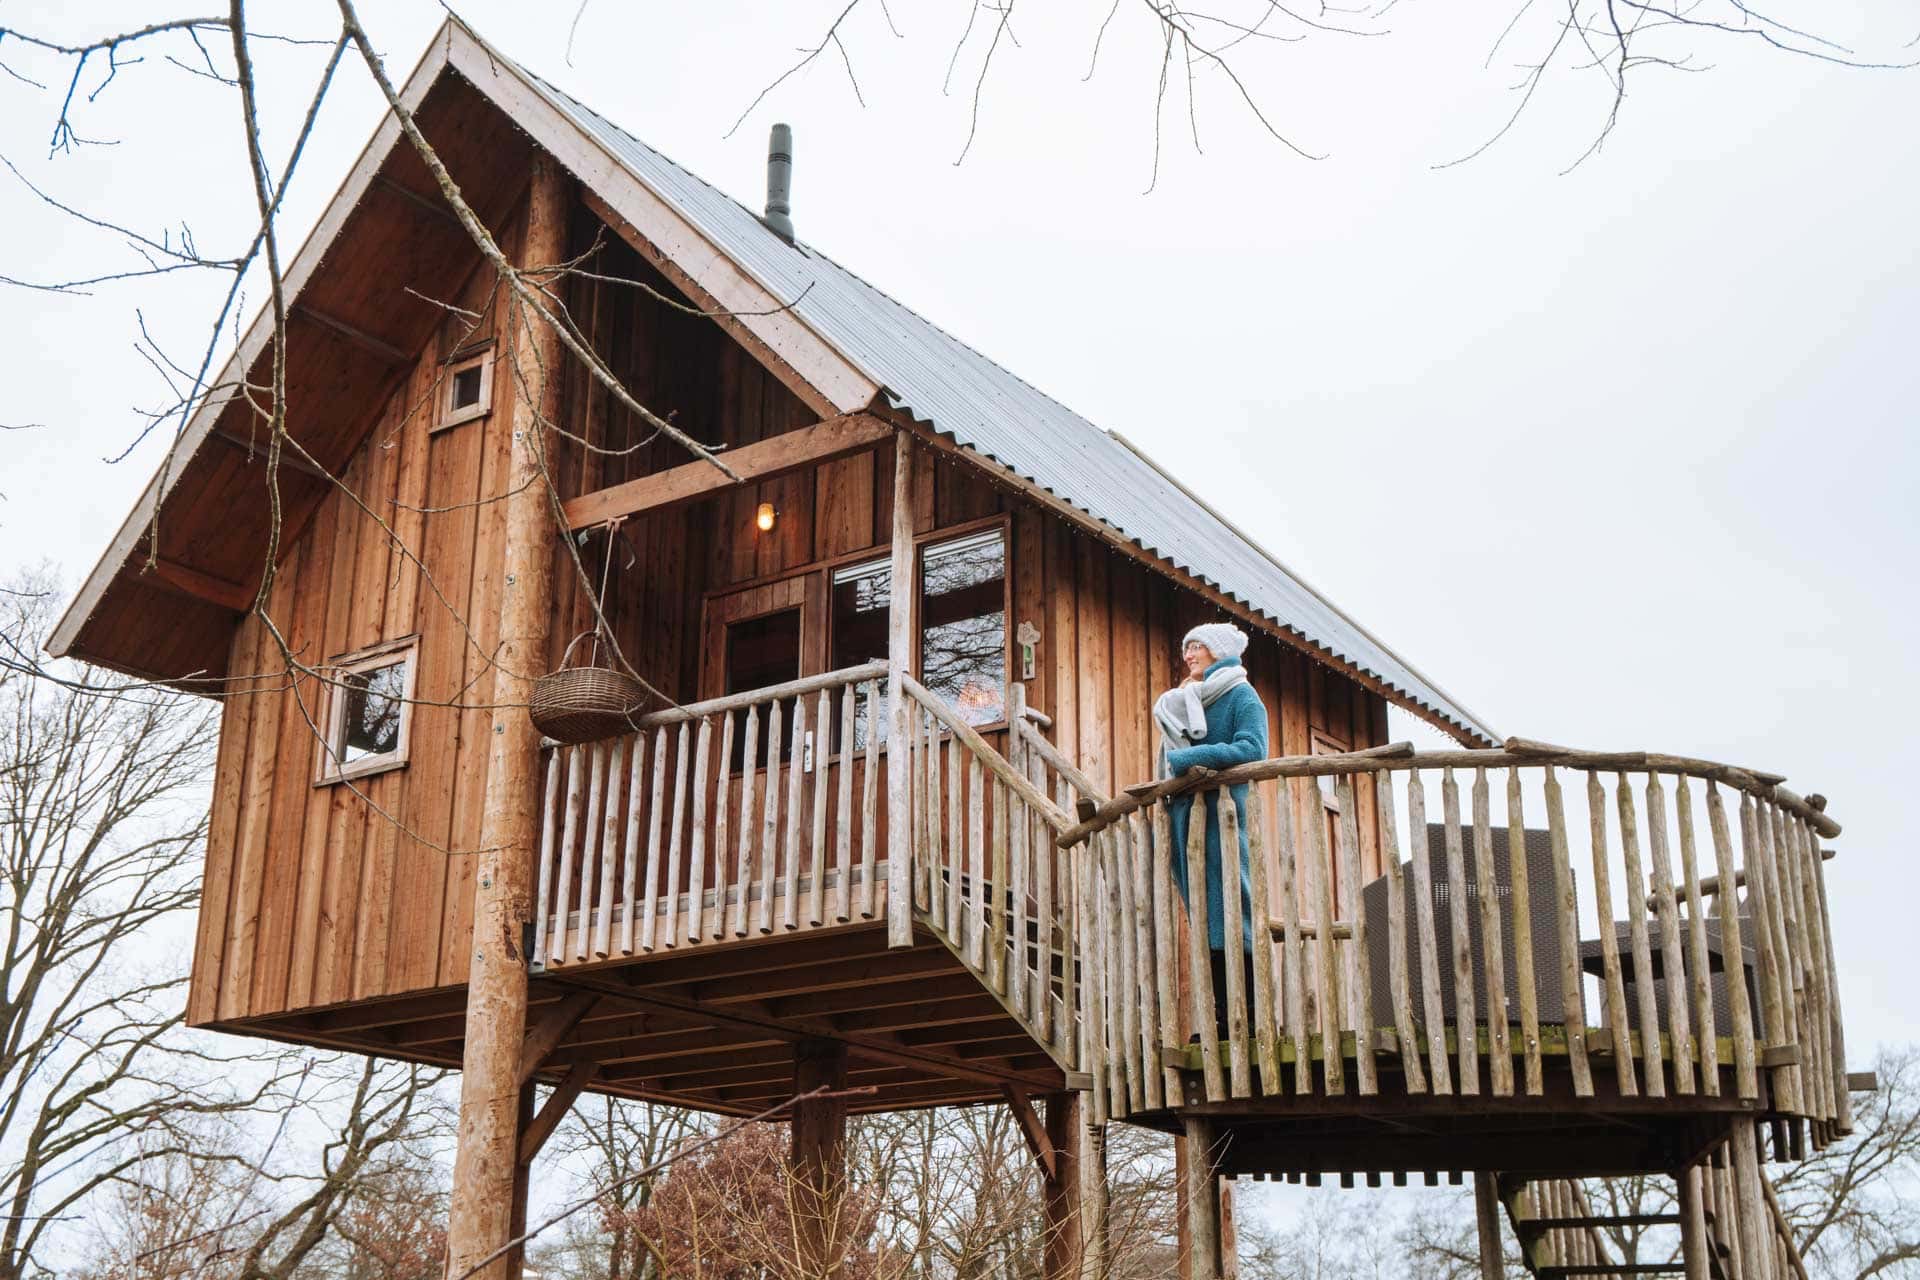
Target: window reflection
pixel 373 706
pixel 963 625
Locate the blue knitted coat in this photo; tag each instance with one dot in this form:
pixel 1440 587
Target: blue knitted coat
pixel 1236 734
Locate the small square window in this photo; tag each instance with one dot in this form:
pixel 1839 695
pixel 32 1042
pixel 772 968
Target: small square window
pixel 466 389
pixel 369 707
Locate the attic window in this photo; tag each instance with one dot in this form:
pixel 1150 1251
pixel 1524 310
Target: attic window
pixel 466 389
pixel 369 710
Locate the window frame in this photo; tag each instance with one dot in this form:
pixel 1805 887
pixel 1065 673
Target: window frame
pixel 328 766
pixel 959 533
pixel 480 357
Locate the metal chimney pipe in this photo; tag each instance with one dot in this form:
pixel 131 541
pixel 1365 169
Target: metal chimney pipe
pixel 779 213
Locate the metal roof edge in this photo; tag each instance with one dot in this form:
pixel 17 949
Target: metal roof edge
pixel 1477 722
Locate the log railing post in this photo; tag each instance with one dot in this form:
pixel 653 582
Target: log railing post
pixel 482 1212
pixel 900 594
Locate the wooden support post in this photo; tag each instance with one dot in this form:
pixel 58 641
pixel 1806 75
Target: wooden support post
pixel 1096 1262
pixel 1060 1188
pixel 819 1168
pixel 1486 1210
pixel 485 1169
pixel 1750 1209
pixel 899 724
pixel 1203 1200
pixel 1694 1249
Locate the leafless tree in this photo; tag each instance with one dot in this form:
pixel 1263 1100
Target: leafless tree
pixel 102 817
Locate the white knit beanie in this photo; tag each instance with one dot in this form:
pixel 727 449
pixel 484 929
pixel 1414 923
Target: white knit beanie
pixel 1223 639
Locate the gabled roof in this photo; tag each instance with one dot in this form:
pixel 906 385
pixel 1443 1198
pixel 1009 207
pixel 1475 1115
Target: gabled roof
pixel 854 346
pixel 959 393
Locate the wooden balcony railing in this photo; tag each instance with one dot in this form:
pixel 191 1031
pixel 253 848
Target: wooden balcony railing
pixel 1455 987
pixel 729 818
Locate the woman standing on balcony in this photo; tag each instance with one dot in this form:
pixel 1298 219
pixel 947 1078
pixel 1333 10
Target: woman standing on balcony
pixel 1213 720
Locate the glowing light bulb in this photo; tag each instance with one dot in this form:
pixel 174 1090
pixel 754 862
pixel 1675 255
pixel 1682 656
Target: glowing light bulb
pixel 765 516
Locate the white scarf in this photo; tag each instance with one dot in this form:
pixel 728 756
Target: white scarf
pixel 1181 712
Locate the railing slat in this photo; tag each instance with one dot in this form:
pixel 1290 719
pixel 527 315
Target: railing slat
pixel 1673 964
pixel 1165 958
pixel 956 851
pixel 1326 980
pixel 976 864
pixel 1566 910
pixel 822 766
pixel 1127 985
pixel 843 814
pixel 1098 1046
pixel 549 822
pixel 590 834
pixel 723 826
pixel 1293 947
pixel 1020 826
pixel 916 749
pixel 1776 1001
pixel 1359 961
pixel 1836 1027
pixel 1526 984
pixel 796 815
pixel 1043 854
pixel 743 856
pixel 1492 949
pixel 1645 989
pixel 1427 934
pixel 869 806
pixel 630 846
pixel 1733 952
pixel 1199 969
pixel 1240 1075
pixel 1265 1018
pixel 997 894
pixel 676 842
pixel 1140 886
pixel 697 844
pixel 1463 998
pixel 1626 1078
pixel 770 822
pixel 1699 970
pixel 1781 879
pixel 609 852
pixel 563 895
pixel 1399 989
pixel 656 817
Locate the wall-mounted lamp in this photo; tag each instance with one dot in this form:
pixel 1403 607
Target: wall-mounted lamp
pixel 765 516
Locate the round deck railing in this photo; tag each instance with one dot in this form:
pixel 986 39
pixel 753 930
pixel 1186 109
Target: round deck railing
pixel 1672 941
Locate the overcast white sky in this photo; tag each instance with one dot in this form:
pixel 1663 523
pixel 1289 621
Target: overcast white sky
pixel 1622 458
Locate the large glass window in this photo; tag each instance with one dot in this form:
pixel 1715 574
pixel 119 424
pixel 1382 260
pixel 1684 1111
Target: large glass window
pixel 963 624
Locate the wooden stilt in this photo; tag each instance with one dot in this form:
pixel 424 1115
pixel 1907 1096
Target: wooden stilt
pixel 1095 1243
pixel 1756 1243
pixel 899 724
pixel 1203 1200
pixel 1486 1210
pixel 819 1157
pixel 1061 1250
pixel 485 1169
pixel 1693 1222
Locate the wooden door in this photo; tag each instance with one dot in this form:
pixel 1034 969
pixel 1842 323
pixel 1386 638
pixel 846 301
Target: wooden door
pixel 761 636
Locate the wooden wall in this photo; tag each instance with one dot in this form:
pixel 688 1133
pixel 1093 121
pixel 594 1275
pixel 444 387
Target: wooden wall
pixel 321 895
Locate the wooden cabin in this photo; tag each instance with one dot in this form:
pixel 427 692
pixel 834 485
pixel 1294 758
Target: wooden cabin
pixel 895 840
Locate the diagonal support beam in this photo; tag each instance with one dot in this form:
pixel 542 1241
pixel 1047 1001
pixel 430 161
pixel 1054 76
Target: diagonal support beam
pixel 558 1103
pixel 544 1036
pixel 1032 1128
pixel 354 334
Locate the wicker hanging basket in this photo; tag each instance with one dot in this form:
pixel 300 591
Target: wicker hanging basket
pixel 583 704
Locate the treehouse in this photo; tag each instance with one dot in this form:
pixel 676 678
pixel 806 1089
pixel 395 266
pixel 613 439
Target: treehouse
pixel 880 826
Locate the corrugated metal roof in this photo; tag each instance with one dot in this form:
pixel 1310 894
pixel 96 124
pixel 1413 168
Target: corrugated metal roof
pixel 945 383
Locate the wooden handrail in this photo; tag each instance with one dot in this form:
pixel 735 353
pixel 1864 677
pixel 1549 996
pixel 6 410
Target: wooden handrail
pixel 995 763
pixel 1401 756
pixel 736 701
pixel 1058 762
